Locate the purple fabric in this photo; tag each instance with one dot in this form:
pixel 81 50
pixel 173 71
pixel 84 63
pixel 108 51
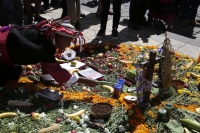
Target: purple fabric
pixel 4 29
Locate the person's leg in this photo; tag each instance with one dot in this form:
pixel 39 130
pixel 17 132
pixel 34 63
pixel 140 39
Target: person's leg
pixel 104 18
pixel 27 5
pixel 78 6
pixel 19 11
pixel 193 13
pixel 71 11
pixel 64 8
pixel 185 12
pixel 116 17
pixel 104 13
pixel 134 14
pixel 98 13
pixel 117 13
pixel 46 4
pixel 37 9
pixel 143 8
pixel 3 19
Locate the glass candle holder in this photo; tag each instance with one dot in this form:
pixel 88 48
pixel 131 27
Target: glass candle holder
pixel 117 90
pixel 162 114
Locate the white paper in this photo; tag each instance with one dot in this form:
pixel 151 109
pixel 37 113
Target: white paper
pixel 68 66
pixel 90 73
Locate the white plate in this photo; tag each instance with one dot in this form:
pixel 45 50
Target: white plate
pixel 68 66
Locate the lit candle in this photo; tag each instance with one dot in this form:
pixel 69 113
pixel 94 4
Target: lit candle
pixel 161 114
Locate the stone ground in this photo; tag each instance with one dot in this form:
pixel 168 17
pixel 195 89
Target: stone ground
pixel 187 35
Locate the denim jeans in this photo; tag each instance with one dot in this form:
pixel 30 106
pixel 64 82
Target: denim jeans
pixel 189 9
pixel 116 15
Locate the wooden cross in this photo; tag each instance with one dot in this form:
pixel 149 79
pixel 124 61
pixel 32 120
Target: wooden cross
pixel 147 73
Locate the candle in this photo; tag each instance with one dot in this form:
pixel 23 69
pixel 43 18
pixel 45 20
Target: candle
pixel 168 108
pixel 161 114
pixel 121 82
pixel 117 90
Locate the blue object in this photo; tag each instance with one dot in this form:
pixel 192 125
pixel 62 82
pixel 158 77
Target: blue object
pixel 121 81
pixel 117 90
pixel 118 86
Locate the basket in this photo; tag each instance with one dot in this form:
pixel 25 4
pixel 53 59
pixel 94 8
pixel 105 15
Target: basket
pixel 101 110
pixel 178 84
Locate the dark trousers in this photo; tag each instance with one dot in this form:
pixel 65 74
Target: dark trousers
pixel 137 11
pixel 105 10
pixel 9 73
pixel 64 8
pixel 189 9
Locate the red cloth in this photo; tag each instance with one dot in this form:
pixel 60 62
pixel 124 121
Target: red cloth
pixel 4 57
pixel 55 70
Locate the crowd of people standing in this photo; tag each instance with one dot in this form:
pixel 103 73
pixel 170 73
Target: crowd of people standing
pixel 158 10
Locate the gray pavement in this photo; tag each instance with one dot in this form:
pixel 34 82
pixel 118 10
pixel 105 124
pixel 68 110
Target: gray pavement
pixel 146 36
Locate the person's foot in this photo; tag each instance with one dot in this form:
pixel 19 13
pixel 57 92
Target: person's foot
pixel 82 14
pixel 184 23
pixel 115 34
pixel 100 34
pixel 49 82
pixel 194 23
pixel 77 26
pixel 110 12
pixel 133 26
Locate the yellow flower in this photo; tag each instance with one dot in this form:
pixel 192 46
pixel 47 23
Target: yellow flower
pixel 183 67
pixel 123 45
pixel 153 47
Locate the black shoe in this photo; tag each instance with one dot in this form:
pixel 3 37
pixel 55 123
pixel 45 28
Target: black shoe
pixel 82 14
pixel 100 34
pixel 115 34
pixel 134 26
pixel 77 26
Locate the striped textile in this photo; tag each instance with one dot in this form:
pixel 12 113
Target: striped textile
pixel 4 57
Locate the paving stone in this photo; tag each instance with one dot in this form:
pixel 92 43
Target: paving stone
pixel 190 50
pixel 148 41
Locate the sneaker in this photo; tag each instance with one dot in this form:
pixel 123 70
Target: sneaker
pixel 115 34
pixel 100 34
pixel 194 23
